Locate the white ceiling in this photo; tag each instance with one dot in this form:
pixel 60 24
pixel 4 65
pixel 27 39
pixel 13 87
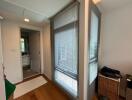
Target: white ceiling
pixel 38 11
pixel 108 5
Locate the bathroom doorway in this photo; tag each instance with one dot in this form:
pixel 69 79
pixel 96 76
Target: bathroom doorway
pixel 30 52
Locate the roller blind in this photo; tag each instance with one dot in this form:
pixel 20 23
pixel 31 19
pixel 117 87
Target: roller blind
pixel 66 41
pixel 67 16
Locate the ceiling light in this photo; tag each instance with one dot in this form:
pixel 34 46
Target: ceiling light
pixel 26 20
pixel 96 1
pixel 1 17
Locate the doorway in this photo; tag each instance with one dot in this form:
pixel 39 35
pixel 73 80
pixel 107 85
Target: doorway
pixel 30 52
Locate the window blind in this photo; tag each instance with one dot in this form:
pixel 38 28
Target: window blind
pixel 65 29
pixel 65 17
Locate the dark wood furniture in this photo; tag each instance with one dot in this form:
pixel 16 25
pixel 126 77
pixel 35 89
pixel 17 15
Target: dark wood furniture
pixel 129 87
pixel 128 94
pixel 108 87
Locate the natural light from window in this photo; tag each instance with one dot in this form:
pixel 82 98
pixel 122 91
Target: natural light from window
pixel 22 45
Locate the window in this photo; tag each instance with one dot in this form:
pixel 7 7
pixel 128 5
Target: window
pixel 65 33
pixel 23 45
pixel 94 41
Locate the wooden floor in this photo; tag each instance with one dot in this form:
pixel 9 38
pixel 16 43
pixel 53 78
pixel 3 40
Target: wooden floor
pixel 29 73
pixel 49 91
pixel 95 98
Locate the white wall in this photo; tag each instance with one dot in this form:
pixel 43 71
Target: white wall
pixel 83 50
pixel 47 51
pixel 11 49
pixel 2 86
pixel 116 39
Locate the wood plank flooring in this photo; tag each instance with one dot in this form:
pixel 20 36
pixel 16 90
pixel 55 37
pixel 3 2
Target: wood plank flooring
pixel 96 98
pixel 49 91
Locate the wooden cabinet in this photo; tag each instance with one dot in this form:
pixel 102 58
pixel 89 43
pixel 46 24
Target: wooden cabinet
pixel 108 87
pixel 129 87
pixel 129 94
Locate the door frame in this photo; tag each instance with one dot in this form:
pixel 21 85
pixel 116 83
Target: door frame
pixel 1 65
pixel 41 51
pixel 70 5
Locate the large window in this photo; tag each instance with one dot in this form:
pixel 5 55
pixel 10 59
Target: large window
pixel 94 41
pixel 65 33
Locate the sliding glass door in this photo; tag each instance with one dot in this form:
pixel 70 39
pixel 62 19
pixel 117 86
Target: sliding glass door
pixel 65 43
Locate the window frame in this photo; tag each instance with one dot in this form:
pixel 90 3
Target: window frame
pixel 94 8
pixel 74 3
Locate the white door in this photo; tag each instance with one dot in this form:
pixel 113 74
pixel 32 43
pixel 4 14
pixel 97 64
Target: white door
pixel 2 86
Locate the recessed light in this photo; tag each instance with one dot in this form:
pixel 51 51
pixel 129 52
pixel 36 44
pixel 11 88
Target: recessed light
pixel 26 19
pixel 96 1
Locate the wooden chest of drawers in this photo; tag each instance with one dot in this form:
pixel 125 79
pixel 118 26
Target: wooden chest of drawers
pixel 108 87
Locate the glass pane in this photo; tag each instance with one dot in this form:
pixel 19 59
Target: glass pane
pixel 93 71
pixel 65 30
pixel 22 45
pixel 69 83
pixel 93 66
pixel 93 35
pixel 66 51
